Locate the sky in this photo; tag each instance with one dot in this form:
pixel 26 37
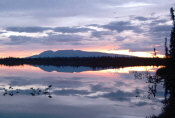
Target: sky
pixel 133 27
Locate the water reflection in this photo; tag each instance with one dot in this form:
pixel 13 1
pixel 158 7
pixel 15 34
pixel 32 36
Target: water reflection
pixel 164 76
pixel 153 81
pixel 110 93
pixel 70 69
pixel 66 69
pixel 32 91
pixel 168 75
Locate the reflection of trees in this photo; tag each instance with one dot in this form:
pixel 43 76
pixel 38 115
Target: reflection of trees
pixel 166 76
pixel 32 91
pixel 152 80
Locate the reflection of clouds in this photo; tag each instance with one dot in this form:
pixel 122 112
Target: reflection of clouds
pixel 85 90
pixel 119 96
pixel 119 84
pixel 68 92
pixel 69 107
pixel 18 81
pixel 135 68
pixel 57 82
pixel 124 83
pixel 141 103
pixel 99 87
pixel 69 86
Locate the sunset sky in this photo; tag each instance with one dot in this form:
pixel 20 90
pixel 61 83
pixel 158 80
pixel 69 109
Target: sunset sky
pixel 134 27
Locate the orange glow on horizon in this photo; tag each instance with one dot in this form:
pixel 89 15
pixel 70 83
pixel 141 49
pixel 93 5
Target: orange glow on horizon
pixel 135 68
pixel 28 53
pixel 19 54
pixel 137 54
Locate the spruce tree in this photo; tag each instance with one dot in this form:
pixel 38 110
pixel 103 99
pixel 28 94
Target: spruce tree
pixel 166 49
pixel 172 36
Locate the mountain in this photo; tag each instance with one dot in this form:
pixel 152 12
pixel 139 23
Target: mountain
pixel 74 53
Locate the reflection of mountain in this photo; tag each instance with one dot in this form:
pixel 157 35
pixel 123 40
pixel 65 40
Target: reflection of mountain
pixel 74 53
pixel 68 69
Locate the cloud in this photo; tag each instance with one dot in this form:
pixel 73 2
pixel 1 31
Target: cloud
pixel 71 29
pixel 141 18
pixel 128 35
pixel 157 32
pixel 75 12
pixel 135 4
pixel 122 26
pixel 120 38
pixel 124 32
pixel 161 28
pixel 41 29
pixel 157 21
pixel 52 39
pixel 100 34
pixel 63 38
pixel 18 40
pixel 137 46
pixel 27 29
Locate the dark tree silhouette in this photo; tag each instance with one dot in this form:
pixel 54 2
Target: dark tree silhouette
pixel 166 49
pixel 167 74
pixel 172 36
pixel 94 62
pixel 172 15
pixel 155 53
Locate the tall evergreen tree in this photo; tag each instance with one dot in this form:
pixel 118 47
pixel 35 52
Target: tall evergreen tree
pixel 172 15
pixel 172 36
pixel 166 48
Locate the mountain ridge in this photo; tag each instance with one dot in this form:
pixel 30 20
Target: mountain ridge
pixel 74 53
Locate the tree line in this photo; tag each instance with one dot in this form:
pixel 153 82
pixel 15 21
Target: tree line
pixel 93 62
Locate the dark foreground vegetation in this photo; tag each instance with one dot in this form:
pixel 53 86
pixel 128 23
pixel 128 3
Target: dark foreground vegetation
pixel 167 74
pixel 94 62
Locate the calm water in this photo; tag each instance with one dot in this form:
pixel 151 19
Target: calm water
pixel 67 92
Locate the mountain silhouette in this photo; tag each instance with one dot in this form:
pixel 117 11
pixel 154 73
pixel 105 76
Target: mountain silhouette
pixel 75 53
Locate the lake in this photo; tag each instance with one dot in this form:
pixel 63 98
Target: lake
pixel 78 92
